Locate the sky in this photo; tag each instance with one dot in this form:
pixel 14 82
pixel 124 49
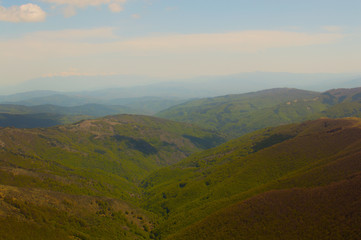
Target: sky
pixel 174 39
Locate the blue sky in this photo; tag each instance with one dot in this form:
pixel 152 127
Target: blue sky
pixel 177 38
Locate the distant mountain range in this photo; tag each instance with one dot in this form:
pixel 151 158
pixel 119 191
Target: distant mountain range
pixel 124 86
pixel 56 109
pixel 242 113
pixel 50 115
pixel 234 114
pixel 281 163
pixel 95 96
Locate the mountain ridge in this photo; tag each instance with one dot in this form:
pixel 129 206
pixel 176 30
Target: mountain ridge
pixel 242 113
pixel 228 174
pixel 161 179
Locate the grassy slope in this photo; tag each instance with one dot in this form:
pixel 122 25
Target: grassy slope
pixel 327 212
pixel 105 157
pixel 299 155
pixel 27 213
pixel 125 145
pixel 51 179
pixel 239 113
pixel 244 113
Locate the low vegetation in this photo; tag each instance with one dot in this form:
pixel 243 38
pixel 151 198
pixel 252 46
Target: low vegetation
pixel 140 177
pixel 314 154
pixel 239 114
pixel 80 181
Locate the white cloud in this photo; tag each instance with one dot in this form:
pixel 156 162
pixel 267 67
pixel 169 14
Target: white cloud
pixel 71 5
pixel 135 16
pixel 24 13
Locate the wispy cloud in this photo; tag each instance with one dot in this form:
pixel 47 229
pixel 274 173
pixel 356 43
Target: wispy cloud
pixel 69 11
pixel 115 7
pixel 84 3
pixel 244 41
pixel 102 50
pixel 103 40
pixel 72 35
pixel 332 28
pixel 24 13
pixel 71 5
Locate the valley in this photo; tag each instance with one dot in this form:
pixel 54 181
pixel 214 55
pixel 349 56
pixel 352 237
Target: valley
pixel 180 120
pixel 142 177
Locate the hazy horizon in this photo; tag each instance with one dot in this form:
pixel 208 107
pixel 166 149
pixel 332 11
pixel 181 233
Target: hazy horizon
pixel 208 86
pixel 180 119
pixel 175 39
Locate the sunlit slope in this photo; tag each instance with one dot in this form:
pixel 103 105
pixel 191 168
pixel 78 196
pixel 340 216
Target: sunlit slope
pixel 51 179
pixel 244 113
pixel 327 212
pixel 31 213
pixel 127 146
pixel 239 113
pixel 311 154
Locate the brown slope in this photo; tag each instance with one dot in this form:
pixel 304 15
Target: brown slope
pixel 321 152
pixel 343 92
pixel 224 175
pixel 328 212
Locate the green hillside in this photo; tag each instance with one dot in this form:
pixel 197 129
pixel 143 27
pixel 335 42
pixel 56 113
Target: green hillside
pixel 328 212
pixel 308 155
pixel 126 145
pixel 32 213
pixel 81 179
pixel 140 177
pixel 236 115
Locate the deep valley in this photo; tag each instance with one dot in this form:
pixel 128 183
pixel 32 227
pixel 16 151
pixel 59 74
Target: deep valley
pixel 142 177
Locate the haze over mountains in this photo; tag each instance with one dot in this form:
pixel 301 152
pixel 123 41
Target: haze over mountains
pixel 68 99
pixel 226 167
pixel 180 120
pixel 238 114
pixel 234 114
pixel 128 86
pixel 220 158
